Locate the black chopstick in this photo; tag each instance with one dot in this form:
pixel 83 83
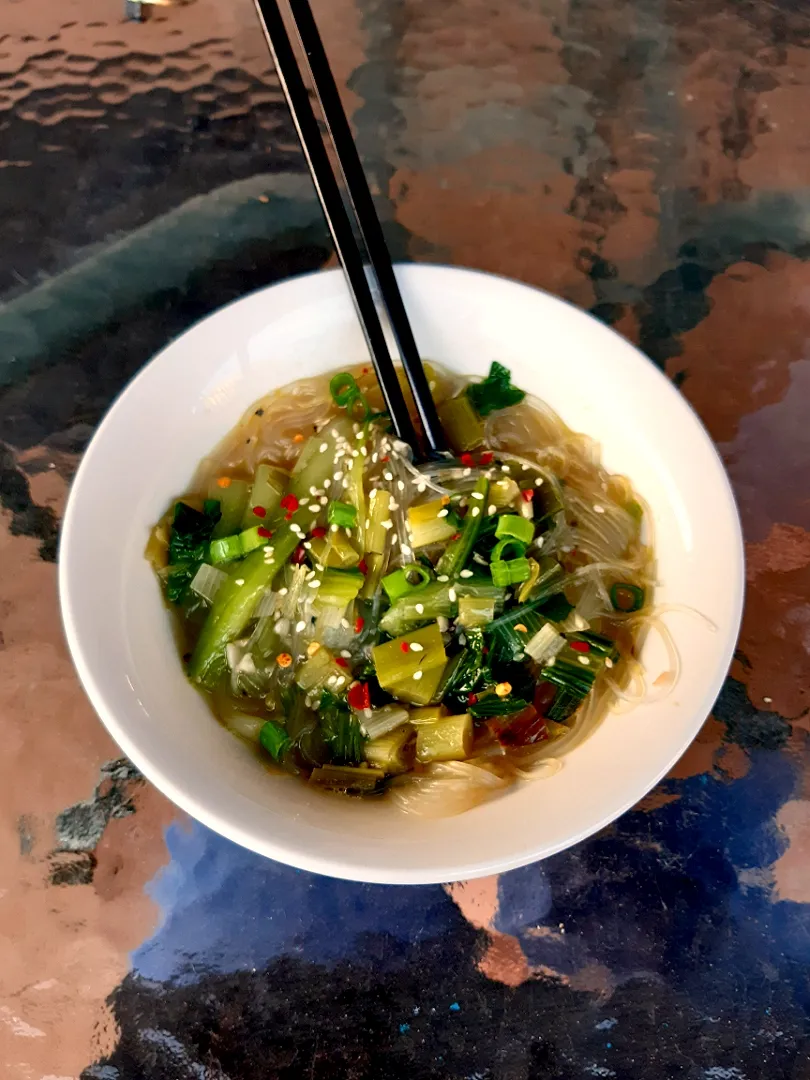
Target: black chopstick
pixel 366 214
pixel 336 216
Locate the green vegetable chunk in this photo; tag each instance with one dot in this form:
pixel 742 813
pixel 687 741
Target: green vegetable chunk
pixel 361 780
pixel 342 514
pixel 274 739
pixel 518 528
pixel 235 602
pixel 495 391
pixel 461 423
pixel 449 739
pixel 626 597
pixel 409 658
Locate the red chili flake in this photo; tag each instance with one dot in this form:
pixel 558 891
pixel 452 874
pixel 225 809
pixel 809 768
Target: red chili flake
pixel 359 623
pixel 289 502
pixel 466 459
pixel 472 698
pixel 404 646
pixel 365 371
pixel 359 696
pixel 259 511
pixel 528 494
pixel 486 458
pixel 485 650
pixel 265 533
pixel 384 458
pixel 288 516
pixel 455 536
pixel 362 567
pixel 580 646
pixel 298 556
pixel 341 661
pixel 318 532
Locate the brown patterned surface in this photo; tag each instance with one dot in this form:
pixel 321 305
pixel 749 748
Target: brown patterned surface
pixel 647 160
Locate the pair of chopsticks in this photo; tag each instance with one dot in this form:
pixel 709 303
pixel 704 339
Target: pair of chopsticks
pixel 337 217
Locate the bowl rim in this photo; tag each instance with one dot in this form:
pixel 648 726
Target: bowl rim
pixel 335 866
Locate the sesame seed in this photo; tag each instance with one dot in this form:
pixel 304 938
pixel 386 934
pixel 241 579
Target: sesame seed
pixel 416 647
pixel 345 654
pixel 327 483
pixel 552 662
pixel 364 451
pixel 334 433
pixel 344 623
pixel 505 468
pixel 334 528
pixel 323 447
pixel 401 485
pixel 393 505
pixel 394 540
pixel 466 472
pixel 268 551
pixel 538 481
pixel 767 700
pixel 598 509
pixel 283 591
pixel 374 458
pixel 609 664
pixel 452 595
pixel 331 680
pixel 421 488
pixel 417 675
pixel 476 510
pixel 388 475
pixel 387 524
pixel 313 647
pixel 239 581
pixel 539 542
pixel 299 626
pixel 339 474
pixel 524 468
pixel 466 573
pixel 303 500
pixel 443 513
pixel 443 577
pixel 309 576
pixel 359 436
pixel 355 453
pixel 315 584
pixel 341 679
pixel 420 609
pixel 584 660
pixel 476 495
pixel 306 545
pixel 442 623
pixel 323 500
pixel 492 509
pixel 406 550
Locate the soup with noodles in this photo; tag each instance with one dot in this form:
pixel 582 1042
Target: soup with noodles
pixel 429 633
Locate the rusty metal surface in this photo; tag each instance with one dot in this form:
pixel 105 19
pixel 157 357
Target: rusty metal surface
pixel 649 161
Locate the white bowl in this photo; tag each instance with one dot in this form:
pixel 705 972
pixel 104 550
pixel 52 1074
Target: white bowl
pixel 193 392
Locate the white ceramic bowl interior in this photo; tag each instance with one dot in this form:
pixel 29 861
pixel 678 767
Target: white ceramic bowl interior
pixel 193 392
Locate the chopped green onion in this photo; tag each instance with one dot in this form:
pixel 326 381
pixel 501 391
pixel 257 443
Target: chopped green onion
pixel 253 538
pixel 626 597
pixel 274 739
pixel 225 549
pixel 342 514
pixel 512 572
pixel 507 642
pixel 320 672
pixel 457 554
pixel 461 423
pixel 510 548
pixel 495 391
pixel 406 580
pixel 348 395
pixel 422 692
pixel 517 527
